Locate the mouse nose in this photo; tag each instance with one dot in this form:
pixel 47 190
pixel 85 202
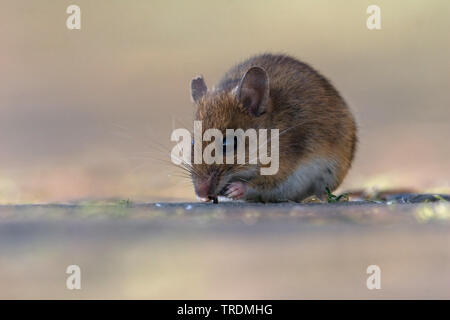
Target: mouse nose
pixel 204 188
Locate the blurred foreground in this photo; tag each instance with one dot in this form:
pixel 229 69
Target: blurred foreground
pixel 225 251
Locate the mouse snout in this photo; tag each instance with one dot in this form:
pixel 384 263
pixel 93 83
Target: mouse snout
pixel 205 188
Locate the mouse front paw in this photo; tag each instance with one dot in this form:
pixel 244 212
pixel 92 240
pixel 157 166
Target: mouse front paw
pixel 236 190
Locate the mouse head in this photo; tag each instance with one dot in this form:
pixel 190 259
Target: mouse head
pixel 245 106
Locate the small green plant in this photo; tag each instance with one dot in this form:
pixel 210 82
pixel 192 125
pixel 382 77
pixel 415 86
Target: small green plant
pixel 331 198
pixel 436 197
pixel 125 203
pixel 440 198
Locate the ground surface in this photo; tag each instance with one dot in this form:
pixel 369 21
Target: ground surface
pixel 229 250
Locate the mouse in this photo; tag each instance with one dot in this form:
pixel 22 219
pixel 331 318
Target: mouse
pixel 317 132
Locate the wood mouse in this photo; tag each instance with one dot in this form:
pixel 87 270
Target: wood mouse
pixel 317 139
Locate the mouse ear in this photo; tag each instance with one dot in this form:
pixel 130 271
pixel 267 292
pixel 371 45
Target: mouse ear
pixel 198 88
pixel 253 90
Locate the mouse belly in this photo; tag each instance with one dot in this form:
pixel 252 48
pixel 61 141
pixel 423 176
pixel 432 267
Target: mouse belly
pixel 309 178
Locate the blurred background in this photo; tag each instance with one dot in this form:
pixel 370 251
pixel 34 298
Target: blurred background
pixel 88 113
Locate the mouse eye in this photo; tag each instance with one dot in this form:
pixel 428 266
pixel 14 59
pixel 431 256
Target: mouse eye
pixel 227 141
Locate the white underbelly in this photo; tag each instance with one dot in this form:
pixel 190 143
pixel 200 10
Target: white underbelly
pixel 310 178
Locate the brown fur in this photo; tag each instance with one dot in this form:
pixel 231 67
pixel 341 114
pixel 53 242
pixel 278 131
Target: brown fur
pixel 313 119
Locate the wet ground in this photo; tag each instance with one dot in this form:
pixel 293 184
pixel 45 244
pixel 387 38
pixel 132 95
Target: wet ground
pixel 227 250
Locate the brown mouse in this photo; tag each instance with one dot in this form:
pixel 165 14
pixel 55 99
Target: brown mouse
pixel 317 139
